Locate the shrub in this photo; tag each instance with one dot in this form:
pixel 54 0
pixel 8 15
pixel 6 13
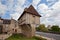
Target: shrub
pixel 55 28
pixel 42 28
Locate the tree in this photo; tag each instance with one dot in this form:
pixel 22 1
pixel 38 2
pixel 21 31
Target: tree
pixel 42 28
pixel 55 28
pixel 59 29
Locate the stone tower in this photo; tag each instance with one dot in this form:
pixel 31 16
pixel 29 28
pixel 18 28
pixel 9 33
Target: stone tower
pixel 28 20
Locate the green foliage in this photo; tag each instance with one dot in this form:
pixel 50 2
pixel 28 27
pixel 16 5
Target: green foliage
pixel 21 37
pixel 55 28
pixel 37 28
pixel 59 29
pixel 42 28
pixel 36 38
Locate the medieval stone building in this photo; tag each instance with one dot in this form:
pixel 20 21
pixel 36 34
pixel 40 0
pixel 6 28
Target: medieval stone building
pixel 25 24
pixel 28 21
pixel 9 26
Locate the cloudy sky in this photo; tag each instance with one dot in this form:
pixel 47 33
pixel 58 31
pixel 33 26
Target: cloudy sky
pixel 48 9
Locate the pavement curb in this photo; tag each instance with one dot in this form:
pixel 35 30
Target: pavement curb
pixel 44 37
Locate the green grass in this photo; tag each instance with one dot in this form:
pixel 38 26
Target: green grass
pixel 20 37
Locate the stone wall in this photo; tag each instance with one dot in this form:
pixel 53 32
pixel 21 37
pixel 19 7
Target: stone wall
pixel 14 27
pixel 32 20
pixel 26 30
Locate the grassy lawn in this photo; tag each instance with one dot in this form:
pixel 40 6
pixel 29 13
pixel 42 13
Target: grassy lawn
pixel 20 37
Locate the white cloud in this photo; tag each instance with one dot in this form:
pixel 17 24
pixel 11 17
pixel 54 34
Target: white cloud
pixel 56 6
pixel 9 4
pixel 15 11
pixel 21 2
pixel 18 12
pixel 15 16
pixel 51 2
pixel 18 9
pixel 50 17
pixel 2 9
pixel 35 2
pixel 42 8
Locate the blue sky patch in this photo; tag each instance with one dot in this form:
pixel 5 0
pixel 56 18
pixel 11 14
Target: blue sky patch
pixel 13 8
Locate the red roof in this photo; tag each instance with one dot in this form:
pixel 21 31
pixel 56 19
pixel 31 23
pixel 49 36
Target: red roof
pixel 30 10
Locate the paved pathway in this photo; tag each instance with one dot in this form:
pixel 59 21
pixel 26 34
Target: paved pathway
pixel 49 35
pixel 44 37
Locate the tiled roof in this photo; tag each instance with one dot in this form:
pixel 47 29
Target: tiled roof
pixel 6 21
pixel 30 10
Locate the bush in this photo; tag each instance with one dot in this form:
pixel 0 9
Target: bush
pixel 55 28
pixel 59 29
pixel 42 28
pixel 37 29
